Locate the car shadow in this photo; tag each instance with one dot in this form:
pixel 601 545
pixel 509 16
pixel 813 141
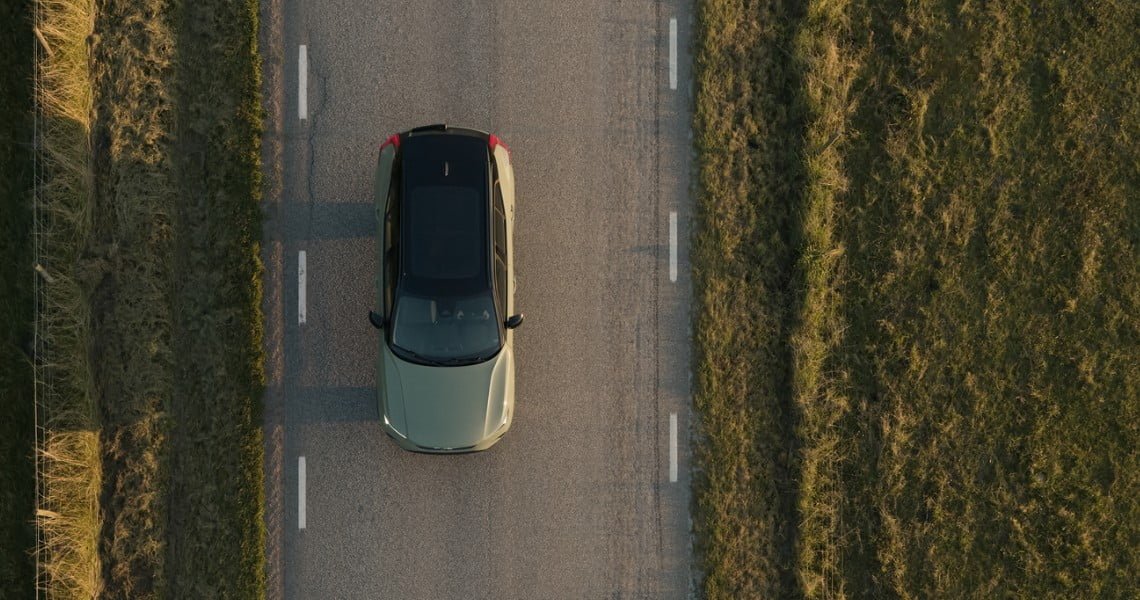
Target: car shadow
pixel 330 221
pixel 329 404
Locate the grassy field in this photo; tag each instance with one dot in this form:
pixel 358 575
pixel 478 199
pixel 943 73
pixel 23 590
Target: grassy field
pixel 177 327
pixel 934 206
pixel 16 417
pixel 154 343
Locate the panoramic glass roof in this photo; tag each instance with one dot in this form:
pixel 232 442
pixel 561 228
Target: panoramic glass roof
pixel 445 242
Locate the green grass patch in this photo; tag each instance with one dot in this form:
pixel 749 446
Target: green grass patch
pixel 922 238
pixel 217 538
pixel 17 480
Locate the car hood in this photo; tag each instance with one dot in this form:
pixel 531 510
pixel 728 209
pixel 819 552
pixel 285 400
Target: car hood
pixel 447 407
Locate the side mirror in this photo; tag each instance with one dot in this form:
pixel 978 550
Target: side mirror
pixel 376 320
pixel 514 321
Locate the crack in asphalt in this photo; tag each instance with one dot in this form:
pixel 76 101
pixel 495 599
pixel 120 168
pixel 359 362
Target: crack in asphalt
pixel 316 75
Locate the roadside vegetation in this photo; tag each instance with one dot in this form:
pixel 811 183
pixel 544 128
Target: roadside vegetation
pixel 749 139
pixel 17 419
pixel 68 513
pixel 217 531
pixel 917 278
pixel 156 355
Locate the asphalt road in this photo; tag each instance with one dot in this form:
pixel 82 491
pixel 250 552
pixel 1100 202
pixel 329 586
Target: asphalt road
pixel 577 501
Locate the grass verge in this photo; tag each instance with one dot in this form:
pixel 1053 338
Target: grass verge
pixel 152 350
pixel 940 304
pixel 17 419
pixel 217 532
pixel 176 297
pixel 748 135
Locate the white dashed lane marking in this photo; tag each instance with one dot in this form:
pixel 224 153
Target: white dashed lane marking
pixel 303 82
pixel 672 54
pixel 673 246
pixel 302 307
pixel 673 447
pixel 301 483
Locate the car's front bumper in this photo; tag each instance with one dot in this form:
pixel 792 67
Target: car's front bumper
pixel 410 445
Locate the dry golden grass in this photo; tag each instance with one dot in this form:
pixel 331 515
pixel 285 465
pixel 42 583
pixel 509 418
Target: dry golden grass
pixel 68 515
pixel 828 72
pixel 71 566
pixel 960 325
pixel 749 133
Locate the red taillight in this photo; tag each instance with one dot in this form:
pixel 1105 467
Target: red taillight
pixel 393 140
pixel 493 140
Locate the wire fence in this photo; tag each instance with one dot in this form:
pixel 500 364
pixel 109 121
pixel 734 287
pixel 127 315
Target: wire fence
pixel 41 381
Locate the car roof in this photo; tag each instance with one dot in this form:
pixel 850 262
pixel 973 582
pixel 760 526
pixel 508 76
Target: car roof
pixel 445 210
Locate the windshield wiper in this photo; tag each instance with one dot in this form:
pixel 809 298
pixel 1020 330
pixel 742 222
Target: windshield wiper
pixel 454 362
pixel 478 358
pixel 419 357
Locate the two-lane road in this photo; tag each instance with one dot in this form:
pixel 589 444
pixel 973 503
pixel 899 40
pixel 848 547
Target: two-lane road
pixel 579 499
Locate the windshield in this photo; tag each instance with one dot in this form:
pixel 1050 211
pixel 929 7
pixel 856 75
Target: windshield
pixel 446 331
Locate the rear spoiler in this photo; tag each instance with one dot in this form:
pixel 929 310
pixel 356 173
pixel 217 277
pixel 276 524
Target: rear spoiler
pixel 444 128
